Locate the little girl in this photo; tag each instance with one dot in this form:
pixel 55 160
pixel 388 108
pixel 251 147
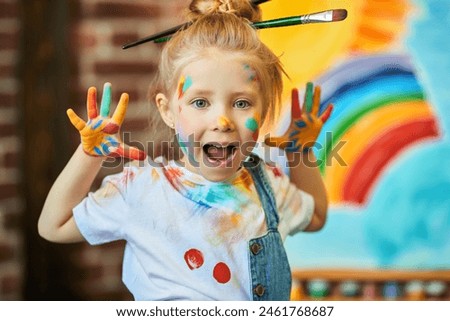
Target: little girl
pixel 211 224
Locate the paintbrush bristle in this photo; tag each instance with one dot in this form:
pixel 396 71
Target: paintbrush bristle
pixel 339 14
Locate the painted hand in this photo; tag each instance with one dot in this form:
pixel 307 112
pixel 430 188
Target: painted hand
pixel 305 124
pixel 98 135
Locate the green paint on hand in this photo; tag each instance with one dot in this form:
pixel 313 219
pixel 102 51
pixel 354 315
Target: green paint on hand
pixel 309 96
pixel 106 100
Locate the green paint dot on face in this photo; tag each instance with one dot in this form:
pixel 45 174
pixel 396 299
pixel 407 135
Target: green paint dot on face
pixel 252 124
pixel 187 84
pixel 252 74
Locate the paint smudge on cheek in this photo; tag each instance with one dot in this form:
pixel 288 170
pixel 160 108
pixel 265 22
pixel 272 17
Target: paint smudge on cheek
pixel 252 76
pixel 187 143
pixel 252 124
pixel 184 84
pixel 222 273
pixel 194 259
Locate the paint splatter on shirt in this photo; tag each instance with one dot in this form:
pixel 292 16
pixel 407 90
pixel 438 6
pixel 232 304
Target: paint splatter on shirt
pixel 186 237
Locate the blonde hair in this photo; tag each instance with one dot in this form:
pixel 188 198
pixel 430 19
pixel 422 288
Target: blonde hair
pixel 217 25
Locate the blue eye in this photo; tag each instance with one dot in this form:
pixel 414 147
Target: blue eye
pixel 200 103
pixel 241 104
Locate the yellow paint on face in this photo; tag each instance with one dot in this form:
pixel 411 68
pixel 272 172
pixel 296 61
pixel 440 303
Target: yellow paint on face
pixel 224 122
pixel 183 85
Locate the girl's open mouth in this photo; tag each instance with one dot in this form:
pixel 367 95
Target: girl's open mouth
pixel 219 155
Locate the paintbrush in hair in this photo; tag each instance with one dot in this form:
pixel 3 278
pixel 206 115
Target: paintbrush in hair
pixel 318 17
pixel 323 16
pixel 165 35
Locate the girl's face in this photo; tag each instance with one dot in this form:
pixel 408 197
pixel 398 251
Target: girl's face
pixel 217 114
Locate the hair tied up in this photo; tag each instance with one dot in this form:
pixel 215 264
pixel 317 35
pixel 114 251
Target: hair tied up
pixel 225 6
pixel 241 8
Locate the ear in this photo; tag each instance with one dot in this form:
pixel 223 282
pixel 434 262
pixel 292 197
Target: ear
pixel 164 109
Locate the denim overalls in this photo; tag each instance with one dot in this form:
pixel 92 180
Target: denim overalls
pixel 269 266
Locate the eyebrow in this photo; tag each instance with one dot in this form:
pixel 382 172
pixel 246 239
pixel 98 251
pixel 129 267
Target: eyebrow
pixel 206 92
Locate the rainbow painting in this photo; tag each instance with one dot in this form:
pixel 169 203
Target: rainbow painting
pixel 380 110
pixel 384 153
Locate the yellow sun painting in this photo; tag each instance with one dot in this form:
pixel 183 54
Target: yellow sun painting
pixel 308 50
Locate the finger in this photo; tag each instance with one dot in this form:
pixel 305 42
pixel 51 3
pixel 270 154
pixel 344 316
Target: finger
pixel 119 113
pixel 106 100
pixel 129 152
pixel 326 114
pixel 307 105
pixel 76 121
pixel 316 101
pixel 296 110
pixel 92 102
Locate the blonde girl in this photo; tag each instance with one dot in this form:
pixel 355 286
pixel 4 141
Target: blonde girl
pixel 210 224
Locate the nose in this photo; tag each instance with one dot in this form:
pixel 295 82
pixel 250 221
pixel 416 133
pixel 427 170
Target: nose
pixel 224 124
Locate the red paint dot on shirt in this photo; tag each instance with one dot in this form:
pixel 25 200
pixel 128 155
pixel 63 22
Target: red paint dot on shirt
pixel 193 258
pixel 276 171
pixel 222 273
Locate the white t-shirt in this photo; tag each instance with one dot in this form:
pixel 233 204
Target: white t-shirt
pixel 186 237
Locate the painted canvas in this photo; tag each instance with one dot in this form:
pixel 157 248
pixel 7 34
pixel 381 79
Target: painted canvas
pixel 384 152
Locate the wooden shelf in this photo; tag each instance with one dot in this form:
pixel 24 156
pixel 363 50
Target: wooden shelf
pixel 376 275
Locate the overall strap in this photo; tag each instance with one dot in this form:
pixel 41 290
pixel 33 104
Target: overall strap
pixel 269 266
pixel 255 166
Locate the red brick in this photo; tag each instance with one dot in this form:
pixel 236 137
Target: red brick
pixel 134 124
pixel 123 38
pixel 6 70
pixel 84 40
pixel 111 67
pixel 8 191
pixel 7 100
pixel 120 10
pixel 6 252
pixel 11 159
pixel 8 40
pixel 10 284
pixel 8 9
pixel 12 221
pixel 7 130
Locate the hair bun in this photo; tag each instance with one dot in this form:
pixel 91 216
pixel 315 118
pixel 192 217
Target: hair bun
pixel 241 8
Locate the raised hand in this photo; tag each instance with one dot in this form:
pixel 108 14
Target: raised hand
pixel 98 135
pixel 306 123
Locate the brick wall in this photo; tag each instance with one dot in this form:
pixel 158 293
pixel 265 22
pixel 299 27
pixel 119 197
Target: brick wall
pixel 98 34
pixel 11 204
